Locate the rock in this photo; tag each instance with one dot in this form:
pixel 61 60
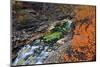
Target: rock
pixel 64 40
pixel 41 28
pixel 61 41
pixel 57 56
pixel 49 50
pixel 61 17
pixel 34 36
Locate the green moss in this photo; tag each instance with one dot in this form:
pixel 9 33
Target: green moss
pixel 57 32
pixel 52 36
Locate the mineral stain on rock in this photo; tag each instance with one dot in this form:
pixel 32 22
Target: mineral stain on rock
pixel 52 33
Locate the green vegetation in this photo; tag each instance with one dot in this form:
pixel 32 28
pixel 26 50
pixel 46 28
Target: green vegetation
pixel 53 36
pixel 63 28
pixel 57 32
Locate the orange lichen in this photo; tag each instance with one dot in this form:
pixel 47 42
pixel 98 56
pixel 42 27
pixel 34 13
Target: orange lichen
pixel 83 42
pixel 66 57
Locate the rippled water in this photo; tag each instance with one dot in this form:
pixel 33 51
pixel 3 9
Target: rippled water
pixel 35 53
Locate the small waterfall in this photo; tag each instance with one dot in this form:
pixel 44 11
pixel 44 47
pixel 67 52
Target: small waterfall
pixel 35 53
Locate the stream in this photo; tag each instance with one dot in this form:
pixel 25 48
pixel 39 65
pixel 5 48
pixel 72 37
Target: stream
pixel 34 53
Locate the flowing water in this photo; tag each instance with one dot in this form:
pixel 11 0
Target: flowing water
pixel 34 53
